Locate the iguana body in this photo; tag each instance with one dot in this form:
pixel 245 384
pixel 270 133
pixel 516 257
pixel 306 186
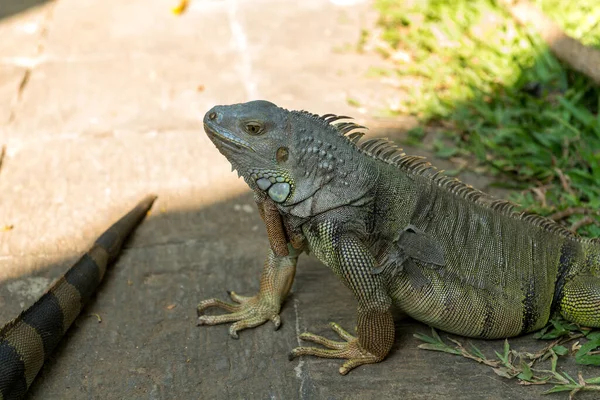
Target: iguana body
pixel 397 232
pixel 30 338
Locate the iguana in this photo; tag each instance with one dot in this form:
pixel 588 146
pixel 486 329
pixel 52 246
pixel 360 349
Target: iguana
pixel 397 232
pixel 28 340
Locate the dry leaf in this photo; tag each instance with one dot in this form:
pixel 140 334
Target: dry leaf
pixel 180 8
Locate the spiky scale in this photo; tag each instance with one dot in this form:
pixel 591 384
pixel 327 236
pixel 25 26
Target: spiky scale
pixel 354 136
pixel 336 118
pixel 325 116
pixel 369 145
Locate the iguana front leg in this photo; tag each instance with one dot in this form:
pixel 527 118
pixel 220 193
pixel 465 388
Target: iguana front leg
pixel 353 263
pixel 249 312
pixel 275 282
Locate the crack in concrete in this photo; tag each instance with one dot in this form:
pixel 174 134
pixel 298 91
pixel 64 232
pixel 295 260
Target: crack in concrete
pixel 19 95
pixel 299 369
pixel 2 155
pixel 229 370
pixel 240 43
pixel 38 52
pixel 23 84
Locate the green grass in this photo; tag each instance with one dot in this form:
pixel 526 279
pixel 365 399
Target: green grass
pixel 500 95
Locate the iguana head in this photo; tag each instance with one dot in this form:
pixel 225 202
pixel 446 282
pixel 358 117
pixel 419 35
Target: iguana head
pixel 289 155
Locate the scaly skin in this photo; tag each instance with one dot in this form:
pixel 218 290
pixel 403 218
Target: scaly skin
pixel 396 232
pixel 275 282
pixel 248 312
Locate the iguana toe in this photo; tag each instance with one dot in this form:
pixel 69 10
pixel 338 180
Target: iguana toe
pixel 276 319
pixel 245 324
pixel 248 312
pixel 203 305
pixel 238 298
pixel 350 349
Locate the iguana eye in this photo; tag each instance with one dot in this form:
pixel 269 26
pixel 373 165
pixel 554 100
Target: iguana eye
pixel 253 128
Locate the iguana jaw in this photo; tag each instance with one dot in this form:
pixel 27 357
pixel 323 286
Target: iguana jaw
pixel 244 158
pixel 278 187
pixel 223 137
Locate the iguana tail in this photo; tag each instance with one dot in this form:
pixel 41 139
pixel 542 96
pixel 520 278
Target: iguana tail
pixel 580 295
pixel 28 340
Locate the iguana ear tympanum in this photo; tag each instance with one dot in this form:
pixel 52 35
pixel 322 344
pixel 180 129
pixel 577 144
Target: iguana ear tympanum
pixel 397 232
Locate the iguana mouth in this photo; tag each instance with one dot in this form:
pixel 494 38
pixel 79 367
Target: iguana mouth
pixel 226 138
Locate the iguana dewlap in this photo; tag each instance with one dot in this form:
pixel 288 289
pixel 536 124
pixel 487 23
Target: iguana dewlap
pixel 397 232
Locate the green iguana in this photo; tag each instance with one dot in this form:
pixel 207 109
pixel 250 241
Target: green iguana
pixel 28 340
pixel 397 232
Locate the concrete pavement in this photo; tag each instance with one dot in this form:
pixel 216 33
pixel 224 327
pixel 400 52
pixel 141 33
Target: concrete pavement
pixel 101 103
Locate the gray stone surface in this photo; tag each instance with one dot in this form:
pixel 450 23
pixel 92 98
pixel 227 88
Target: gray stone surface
pixel 111 111
pixel 11 77
pixel 116 93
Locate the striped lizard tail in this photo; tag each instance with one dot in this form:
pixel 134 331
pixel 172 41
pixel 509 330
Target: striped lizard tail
pixel 27 341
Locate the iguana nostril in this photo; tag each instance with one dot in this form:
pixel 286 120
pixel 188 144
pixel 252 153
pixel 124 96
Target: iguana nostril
pixel 212 115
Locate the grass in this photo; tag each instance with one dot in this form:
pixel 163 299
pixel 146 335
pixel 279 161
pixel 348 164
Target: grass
pixel 499 95
pixel 532 368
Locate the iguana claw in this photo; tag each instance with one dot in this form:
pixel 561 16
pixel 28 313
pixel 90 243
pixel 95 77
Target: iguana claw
pixel 249 312
pixel 350 349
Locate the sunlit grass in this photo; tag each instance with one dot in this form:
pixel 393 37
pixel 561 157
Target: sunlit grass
pixel 502 96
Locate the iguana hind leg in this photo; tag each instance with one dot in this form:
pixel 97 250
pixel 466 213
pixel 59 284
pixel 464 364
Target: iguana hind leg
pixel 375 337
pixel 580 301
pixel 353 263
pixel 249 312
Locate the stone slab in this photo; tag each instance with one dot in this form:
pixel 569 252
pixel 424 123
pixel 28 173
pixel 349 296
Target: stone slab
pixel 123 93
pixel 59 194
pixel 138 27
pixel 22 26
pixel 321 72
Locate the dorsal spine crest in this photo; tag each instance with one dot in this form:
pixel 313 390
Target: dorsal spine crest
pixel 384 150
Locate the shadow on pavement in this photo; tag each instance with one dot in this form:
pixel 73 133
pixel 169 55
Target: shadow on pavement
pixel 148 345
pixel 8 8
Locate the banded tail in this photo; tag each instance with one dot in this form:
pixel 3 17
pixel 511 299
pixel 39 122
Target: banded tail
pixel 28 340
